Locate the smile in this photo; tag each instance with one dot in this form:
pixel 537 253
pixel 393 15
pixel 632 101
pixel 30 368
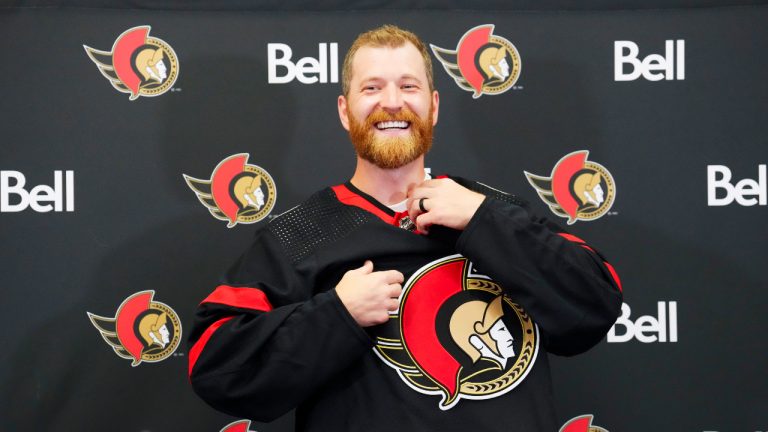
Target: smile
pixel 392 125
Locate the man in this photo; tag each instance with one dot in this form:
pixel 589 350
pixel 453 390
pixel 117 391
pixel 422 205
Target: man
pixel 342 306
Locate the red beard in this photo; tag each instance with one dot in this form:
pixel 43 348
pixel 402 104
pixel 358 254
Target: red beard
pixel 391 152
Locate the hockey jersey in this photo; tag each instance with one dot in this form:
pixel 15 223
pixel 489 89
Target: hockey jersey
pixel 466 350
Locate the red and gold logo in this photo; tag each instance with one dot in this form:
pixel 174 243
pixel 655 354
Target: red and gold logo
pixel 142 329
pixel 458 335
pixel 578 189
pixel 483 63
pixel 581 424
pixel 238 426
pixel 138 64
pixel 237 191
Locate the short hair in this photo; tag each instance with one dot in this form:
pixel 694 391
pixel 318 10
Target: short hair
pixel 385 36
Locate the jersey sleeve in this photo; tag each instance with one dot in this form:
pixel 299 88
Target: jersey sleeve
pixel 568 288
pixel 262 343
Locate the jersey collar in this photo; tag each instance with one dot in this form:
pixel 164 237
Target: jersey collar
pixel 348 194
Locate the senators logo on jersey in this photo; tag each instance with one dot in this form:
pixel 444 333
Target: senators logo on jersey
pixel 141 330
pixel 458 335
pixel 483 63
pixel 578 189
pixel 138 64
pixel 236 191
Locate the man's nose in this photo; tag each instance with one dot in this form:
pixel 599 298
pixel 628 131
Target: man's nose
pixel 391 99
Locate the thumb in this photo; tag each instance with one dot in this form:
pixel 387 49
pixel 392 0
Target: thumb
pixel 366 268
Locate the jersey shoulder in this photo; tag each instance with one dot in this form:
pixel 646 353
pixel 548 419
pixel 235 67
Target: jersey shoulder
pixel 317 222
pixel 490 191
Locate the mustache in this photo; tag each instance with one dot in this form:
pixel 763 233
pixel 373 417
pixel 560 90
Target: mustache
pixel 405 114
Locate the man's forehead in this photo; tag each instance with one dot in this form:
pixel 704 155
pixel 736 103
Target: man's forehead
pixel 371 61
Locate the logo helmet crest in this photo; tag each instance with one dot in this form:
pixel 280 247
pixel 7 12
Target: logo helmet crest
pixel 138 64
pixel 237 192
pixel 577 189
pixel 483 63
pixel 141 330
pixel 238 426
pixel 443 338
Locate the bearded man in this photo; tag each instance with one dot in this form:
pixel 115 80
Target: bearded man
pixel 317 315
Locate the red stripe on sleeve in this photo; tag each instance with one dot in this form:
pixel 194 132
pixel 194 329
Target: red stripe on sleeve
pixel 572 237
pixel 246 298
pixel 197 348
pixel 614 275
pixel 610 268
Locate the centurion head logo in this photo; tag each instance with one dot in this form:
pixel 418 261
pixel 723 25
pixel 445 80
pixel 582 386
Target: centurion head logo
pixel 457 335
pixel 141 330
pixel 483 63
pixel 138 64
pixel 577 189
pixel 236 191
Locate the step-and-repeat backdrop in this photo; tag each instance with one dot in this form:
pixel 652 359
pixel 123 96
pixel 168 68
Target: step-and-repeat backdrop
pixel 119 126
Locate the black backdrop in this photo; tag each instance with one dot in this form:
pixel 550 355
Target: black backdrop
pixel 137 226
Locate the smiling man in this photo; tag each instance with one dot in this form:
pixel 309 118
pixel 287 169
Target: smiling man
pixel 346 308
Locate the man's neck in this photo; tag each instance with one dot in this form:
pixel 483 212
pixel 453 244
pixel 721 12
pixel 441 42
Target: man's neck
pixel 388 186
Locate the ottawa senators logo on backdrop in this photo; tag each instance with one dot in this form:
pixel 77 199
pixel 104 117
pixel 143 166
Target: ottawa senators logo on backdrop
pixel 138 64
pixel 457 335
pixel 236 192
pixel 581 424
pixel 142 329
pixel 577 189
pixel 483 63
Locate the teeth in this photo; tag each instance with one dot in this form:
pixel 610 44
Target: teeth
pixel 392 125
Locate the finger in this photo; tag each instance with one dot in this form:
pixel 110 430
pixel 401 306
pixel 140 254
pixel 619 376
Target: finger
pixel 425 221
pixel 392 277
pixel 421 204
pixel 409 202
pixel 395 290
pixel 392 304
pixel 431 183
pixel 421 192
pixel 413 210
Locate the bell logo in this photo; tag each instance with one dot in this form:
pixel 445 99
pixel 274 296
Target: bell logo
pixel 672 63
pixel 646 328
pixel 43 199
pixel 746 192
pixel 307 70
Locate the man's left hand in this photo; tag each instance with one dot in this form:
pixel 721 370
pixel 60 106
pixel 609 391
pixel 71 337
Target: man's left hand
pixel 445 203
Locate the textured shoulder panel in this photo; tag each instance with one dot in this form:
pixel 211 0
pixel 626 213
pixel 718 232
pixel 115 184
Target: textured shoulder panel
pixel 491 192
pixel 319 221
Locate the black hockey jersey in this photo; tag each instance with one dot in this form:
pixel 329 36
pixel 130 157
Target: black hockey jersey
pixel 466 350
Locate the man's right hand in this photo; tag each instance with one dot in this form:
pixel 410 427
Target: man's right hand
pixel 370 295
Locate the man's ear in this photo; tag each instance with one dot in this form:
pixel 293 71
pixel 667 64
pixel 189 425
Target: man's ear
pixel 435 106
pixel 343 116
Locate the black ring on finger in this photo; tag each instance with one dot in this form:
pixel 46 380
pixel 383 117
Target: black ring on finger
pixel 421 205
